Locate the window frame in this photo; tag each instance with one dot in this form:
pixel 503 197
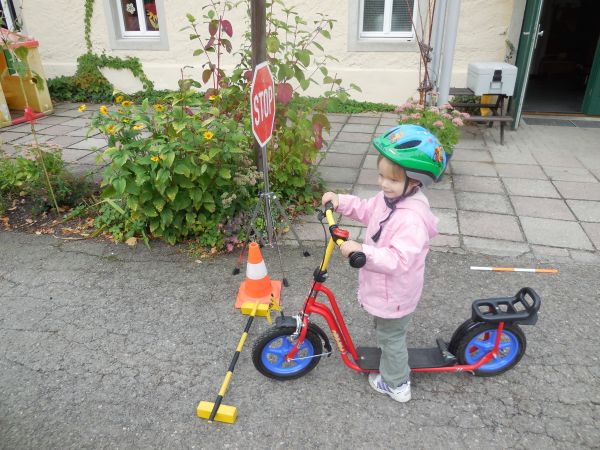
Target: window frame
pixel 143 32
pixel 386 33
pixel 135 40
pixel 380 44
pixel 9 10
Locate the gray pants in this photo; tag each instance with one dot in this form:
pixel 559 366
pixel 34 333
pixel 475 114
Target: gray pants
pixel 391 336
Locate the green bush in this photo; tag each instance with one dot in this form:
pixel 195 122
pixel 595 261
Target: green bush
pixel 333 105
pixel 175 172
pixel 89 85
pixel 23 176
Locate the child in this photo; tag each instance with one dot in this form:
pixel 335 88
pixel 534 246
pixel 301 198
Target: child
pixel 399 227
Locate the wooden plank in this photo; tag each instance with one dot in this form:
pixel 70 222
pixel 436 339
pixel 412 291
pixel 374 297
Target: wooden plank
pixel 490 118
pixel 475 105
pixel 461 91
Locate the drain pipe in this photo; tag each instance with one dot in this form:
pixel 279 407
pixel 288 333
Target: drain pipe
pixel 437 33
pixel 451 28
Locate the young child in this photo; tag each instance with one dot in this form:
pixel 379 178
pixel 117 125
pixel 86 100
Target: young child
pixel 399 228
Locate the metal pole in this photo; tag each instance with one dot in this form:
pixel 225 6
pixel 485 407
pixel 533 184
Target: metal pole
pixel 267 195
pixel 439 17
pixel 452 13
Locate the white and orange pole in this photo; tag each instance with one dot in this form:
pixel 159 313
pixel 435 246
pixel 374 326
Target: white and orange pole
pixel 514 269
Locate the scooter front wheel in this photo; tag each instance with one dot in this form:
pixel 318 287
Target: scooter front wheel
pixel 479 339
pixel 271 347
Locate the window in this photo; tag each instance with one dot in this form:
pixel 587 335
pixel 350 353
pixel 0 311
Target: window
pixel 136 24
pixel 383 25
pixel 387 19
pixel 138 18
pixel 9 15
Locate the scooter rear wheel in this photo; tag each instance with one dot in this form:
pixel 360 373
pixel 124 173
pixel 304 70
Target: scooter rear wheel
pixel 477 340
pixel 271 347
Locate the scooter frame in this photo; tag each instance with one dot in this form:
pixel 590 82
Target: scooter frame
pixel 497 311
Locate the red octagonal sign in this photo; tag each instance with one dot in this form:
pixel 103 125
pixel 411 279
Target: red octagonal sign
pixel 262 103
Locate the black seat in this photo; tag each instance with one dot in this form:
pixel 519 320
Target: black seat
pixel 522 308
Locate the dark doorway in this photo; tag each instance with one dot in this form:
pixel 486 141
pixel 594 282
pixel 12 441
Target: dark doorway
pixel 563 58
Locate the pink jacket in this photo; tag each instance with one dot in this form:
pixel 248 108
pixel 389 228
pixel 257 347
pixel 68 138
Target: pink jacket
pixel 391 282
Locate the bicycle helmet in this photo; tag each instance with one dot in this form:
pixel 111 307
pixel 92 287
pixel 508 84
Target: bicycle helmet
pixel 416 150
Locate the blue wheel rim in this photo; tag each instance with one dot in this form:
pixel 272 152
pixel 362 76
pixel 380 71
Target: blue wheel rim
pixel 273 356
pixel 483 343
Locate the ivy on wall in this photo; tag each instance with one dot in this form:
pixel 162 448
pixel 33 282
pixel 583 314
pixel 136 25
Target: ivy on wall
pixel 88 84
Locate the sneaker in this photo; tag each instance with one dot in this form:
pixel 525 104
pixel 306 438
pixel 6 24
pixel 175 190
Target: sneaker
pixel 400 394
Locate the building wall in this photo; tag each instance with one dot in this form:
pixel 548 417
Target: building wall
pixel 383 76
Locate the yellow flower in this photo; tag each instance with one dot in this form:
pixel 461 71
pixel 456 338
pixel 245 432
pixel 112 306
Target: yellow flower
pixel 212 97
pixel 111 129
pixel 103 110
pixel 154 158
pixel 126 103
pixel 125 120
pixel 208 135
pixel 82 108
pixel 159 108
pixel 138 126
pixel 119 99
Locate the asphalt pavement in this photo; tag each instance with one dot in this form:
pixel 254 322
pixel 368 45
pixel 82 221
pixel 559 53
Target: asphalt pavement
pixel 106 346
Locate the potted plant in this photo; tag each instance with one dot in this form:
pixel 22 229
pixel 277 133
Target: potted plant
pixel 444 122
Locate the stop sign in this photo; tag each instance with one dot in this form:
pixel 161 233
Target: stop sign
pixel 262 103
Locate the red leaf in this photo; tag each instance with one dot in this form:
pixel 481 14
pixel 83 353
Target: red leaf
pixel 227 44
pixel 318 142
pixel 210 43
pixel 318 129
pixel 284 93
pixel 227 28
pixel 206 75
pixel 213 27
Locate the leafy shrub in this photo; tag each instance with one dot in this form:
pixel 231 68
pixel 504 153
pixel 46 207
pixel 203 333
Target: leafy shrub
pixel 175 172
pixel 467 99
pixel 24 176
pixel 89 85
pixel 442 122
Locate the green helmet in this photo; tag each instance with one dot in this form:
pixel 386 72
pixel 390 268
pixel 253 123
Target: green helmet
pixel 416 150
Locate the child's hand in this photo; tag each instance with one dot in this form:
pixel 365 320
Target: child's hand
pixel 350 246
pixel 330 197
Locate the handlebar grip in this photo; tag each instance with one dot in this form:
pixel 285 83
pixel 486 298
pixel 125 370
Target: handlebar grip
pixel 357 259
pixel 329 205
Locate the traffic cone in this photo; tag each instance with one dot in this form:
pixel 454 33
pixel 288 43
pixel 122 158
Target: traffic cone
pixel 257 287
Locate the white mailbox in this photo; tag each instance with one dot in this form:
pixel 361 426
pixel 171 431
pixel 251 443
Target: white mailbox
pixel 491 78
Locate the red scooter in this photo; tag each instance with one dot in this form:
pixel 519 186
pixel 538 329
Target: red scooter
pixel 489 343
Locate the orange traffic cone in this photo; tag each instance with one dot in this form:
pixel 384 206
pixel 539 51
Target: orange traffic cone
pixel 257 287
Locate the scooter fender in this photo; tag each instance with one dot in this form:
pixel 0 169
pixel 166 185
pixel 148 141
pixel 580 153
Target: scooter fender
pixel 290 322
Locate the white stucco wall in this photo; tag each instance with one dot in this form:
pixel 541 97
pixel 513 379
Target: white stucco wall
pixel 383 76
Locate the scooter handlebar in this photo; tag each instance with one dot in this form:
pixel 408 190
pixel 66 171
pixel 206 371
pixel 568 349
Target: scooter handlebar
pixel 339 236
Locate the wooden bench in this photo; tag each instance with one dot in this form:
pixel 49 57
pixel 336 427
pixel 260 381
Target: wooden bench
pixel 496 108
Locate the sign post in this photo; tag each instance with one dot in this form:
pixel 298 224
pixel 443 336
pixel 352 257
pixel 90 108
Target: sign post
pixel 262 112
pixel 262 108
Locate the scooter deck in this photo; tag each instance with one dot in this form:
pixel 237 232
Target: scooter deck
pixel 368 358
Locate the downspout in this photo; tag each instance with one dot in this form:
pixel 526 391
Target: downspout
pixel 437 33
pixel 451 28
